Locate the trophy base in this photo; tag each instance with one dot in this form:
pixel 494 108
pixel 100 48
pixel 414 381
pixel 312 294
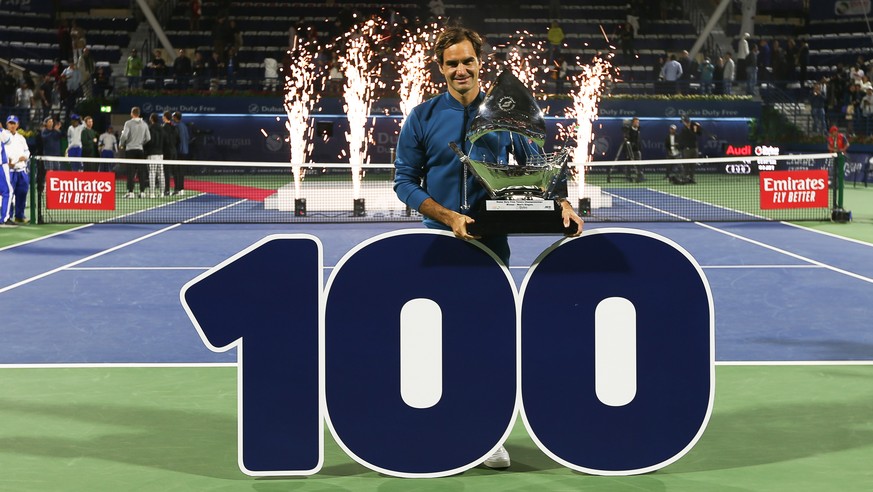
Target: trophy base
pixel 498 217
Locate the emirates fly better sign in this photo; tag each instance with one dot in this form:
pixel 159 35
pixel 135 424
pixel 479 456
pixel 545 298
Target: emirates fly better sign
pixel 794 189
pixel 67 190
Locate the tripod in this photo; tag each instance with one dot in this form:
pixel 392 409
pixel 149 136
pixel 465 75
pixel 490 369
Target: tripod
pixel 633 174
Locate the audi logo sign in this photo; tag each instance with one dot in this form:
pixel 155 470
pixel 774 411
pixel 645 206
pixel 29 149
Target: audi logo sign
pixel 738 169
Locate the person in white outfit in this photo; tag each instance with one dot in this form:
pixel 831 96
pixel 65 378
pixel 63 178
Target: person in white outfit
pixel 154 150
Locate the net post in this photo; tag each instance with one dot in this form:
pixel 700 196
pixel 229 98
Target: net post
pixel 839 214
pixel 839 170
pixel 34 177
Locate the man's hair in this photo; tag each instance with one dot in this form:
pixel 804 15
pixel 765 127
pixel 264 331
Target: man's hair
pixel 454 35
pixel 134 111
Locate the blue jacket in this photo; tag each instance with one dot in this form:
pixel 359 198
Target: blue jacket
pixel 427 168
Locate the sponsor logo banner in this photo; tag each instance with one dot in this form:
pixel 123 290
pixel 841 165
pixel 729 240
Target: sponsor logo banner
pixel 67 190
pixel 794 189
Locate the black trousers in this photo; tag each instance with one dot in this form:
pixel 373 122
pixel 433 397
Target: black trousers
pixel 136 170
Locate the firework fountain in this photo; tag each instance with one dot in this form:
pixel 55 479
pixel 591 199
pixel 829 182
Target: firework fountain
pixel 300 98
pixel 589 85
pixel 359 65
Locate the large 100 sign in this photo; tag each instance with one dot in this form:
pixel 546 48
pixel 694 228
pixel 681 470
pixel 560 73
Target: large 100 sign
pixel 420 352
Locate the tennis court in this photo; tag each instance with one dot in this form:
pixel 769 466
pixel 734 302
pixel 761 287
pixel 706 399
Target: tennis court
pixel 106 384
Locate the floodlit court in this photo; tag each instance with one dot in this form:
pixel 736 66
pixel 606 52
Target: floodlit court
pixel 106 385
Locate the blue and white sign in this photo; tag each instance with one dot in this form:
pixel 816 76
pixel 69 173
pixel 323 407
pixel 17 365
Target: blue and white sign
pixel 610 341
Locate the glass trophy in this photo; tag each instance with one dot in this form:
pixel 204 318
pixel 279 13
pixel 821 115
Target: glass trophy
pixel 524 184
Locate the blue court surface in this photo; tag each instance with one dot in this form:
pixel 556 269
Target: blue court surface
pixel 102 387
pixel 110 293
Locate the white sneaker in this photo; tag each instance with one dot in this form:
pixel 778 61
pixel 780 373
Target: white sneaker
pixel 151 195
pixel 180 192
pixel 500 459
pixel 130 194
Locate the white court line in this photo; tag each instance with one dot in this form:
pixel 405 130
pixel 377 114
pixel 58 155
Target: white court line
pixel 116 365
pixel 739 267
pixel 110 250
pixel 85 269
pixel 794 363
pixel 830 234
pixel 44 237
pixel 787 253
pixel 182 365
pixel 83 260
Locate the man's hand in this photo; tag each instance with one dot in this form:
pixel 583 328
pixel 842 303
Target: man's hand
pixel 456 221
pixel 459 226
pixel 569 215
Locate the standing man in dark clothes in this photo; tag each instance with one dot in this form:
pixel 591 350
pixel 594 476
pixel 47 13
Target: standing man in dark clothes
pixel 89 143
pixel 171 143
pixel 182 153
pixel 688 145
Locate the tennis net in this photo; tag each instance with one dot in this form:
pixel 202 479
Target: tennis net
pixel 792 187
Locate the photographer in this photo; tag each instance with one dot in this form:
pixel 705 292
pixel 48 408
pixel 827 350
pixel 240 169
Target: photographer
pixel 688 145
pixel 630 150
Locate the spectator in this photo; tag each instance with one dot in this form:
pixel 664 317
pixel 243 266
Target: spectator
pixel 865 110
pixel 236 37
pixel 200 73
pixel 182 154
pixel 182 70
pixel 45 94
pixel 672 150
pixel 89 143
pixel 706 72
pixel 102 82
pixel 65 41
pixel 627 43
pixel 158 68
pixel 48 143
pixel 74 141
pixel 77 36
pixel 214 67
pixel 685 79
pixel 743 51
pixel 271 74
pixel 196 12
pixel 133 70
pixel 24 103
pixel 764 61
pixel 107 144
pixel 818 102
pixel 154 151
pixel 231 66
pixel 171 146
pixel 728 73
pixel 803 61
pixel 86 67
pixel 671 74
pixel 752 71
pixel 219 36
pixel 133 137
pixel 73 83
pixel 555 36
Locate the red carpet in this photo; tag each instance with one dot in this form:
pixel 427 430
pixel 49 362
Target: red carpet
pixel 228 190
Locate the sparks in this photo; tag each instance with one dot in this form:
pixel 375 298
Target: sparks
pixel 589 82
pixel 359 66
pixel 303 84
pixel 413 62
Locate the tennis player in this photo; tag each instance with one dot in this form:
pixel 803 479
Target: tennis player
pixel 429 176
